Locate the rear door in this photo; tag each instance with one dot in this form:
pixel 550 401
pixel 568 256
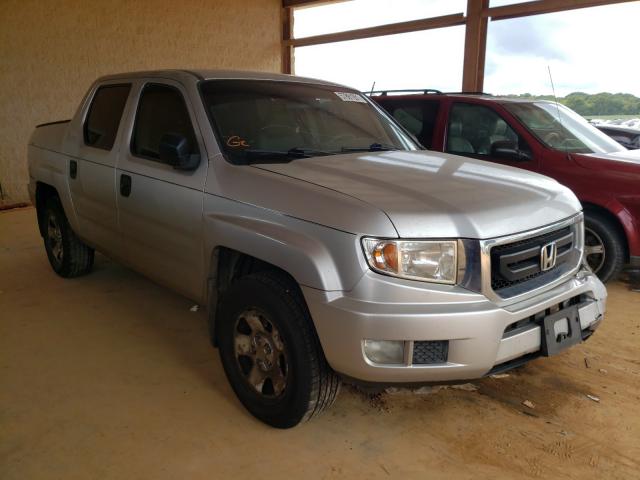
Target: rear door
pixel 92 175
pixel 159 207
pixel 479 131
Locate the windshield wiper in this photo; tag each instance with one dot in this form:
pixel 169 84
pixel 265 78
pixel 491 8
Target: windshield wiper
pixel 254 155
pixel 374 147
pixel 309 152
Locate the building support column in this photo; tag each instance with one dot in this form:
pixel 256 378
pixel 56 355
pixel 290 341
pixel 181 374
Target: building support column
pixel 286 49
pixel 475 46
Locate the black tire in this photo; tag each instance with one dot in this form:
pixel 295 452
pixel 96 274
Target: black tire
pixel 600 230
pixel 310 385
pixel 68 255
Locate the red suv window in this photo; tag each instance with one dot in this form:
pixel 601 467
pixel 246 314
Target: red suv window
pixel 417 116
pixel 474 129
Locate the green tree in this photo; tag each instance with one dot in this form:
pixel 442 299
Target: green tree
pixel 586 104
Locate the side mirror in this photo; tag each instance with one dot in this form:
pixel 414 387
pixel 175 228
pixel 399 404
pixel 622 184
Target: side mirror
pixel 176 151
pixel 508 150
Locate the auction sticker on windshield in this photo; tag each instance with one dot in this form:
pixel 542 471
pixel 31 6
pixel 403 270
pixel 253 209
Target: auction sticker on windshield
pixel 350 97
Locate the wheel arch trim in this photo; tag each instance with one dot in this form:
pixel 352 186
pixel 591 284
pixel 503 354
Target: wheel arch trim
pixel 620 217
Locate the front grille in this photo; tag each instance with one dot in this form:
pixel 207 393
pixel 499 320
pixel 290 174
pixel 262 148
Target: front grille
pixel 430 352
pixel 516 267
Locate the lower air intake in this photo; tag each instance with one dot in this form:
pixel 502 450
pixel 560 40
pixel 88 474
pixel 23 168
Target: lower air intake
pixel 430 352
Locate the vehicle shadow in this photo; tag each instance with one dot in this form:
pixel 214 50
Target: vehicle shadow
pixel 161 324
pixel 631 276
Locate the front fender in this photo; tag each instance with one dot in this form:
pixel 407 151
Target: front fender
pixel 314 255
pixel 626 211
pixel 629 215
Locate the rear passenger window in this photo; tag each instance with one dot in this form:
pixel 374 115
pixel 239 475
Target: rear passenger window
pixel 105 112
pixel 418 117
pixel 161 110
pixel 410 118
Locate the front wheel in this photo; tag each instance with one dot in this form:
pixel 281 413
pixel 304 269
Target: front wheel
pixel 603 246
pixel 270 351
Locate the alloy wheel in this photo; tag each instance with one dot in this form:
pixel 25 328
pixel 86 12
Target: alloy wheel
pixel 54 237
pixel 594 250
pixel 260 353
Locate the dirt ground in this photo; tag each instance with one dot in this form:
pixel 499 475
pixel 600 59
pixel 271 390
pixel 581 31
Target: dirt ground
pixel 111 377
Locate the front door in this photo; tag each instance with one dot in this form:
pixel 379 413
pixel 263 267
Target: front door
pixel 160 207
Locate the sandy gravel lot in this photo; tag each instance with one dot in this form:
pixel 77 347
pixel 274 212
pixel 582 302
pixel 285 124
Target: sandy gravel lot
pixel 112 377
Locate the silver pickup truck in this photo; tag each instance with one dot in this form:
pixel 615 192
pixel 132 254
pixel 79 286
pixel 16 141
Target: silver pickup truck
pixel 324 242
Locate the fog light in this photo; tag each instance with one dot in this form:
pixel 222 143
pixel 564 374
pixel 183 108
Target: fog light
pixel 384 351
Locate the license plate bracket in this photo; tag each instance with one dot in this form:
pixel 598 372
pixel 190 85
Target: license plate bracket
pixel 554 342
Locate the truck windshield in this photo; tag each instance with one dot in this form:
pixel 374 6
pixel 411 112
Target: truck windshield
pixel 561 128
pixel 272 121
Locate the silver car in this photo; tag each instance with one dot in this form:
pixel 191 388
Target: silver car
pixel 323 241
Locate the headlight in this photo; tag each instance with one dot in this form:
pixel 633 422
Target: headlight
pixel 426 260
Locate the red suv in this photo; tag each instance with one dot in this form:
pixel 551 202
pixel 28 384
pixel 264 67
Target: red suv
pixel 545 138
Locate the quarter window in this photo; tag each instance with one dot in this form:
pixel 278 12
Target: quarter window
pixel 105 112
pixel 161 110
pixel 418 117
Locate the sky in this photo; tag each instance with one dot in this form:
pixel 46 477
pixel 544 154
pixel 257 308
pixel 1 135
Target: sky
pixel 590 50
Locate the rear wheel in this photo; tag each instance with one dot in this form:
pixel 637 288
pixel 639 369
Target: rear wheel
pixel 603 246
pixel 68 255
pixel 270 351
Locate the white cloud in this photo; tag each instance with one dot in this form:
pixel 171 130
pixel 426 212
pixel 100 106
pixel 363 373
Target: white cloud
pixel 428 59
pixel 590 50
pixel 354 14
pixel 413 60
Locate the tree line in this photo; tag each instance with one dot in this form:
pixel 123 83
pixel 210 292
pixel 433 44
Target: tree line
pixel 595 104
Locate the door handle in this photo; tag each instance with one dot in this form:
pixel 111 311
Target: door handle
pixel 73 169
pixel 125 185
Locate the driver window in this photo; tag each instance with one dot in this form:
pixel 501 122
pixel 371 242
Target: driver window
pixel 475 129
pixel 161 110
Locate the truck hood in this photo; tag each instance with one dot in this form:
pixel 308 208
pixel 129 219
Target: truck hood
pixel 429 194
pixel 625 161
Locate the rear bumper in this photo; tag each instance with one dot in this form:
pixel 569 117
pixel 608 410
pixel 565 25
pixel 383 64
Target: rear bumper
pixel 383 308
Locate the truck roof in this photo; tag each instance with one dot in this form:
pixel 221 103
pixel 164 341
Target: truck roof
pixel 186 75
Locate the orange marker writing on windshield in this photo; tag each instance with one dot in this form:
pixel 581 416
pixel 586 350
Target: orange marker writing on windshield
pixel 235 141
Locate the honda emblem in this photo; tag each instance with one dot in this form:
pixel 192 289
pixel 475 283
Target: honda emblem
pixel 548 256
